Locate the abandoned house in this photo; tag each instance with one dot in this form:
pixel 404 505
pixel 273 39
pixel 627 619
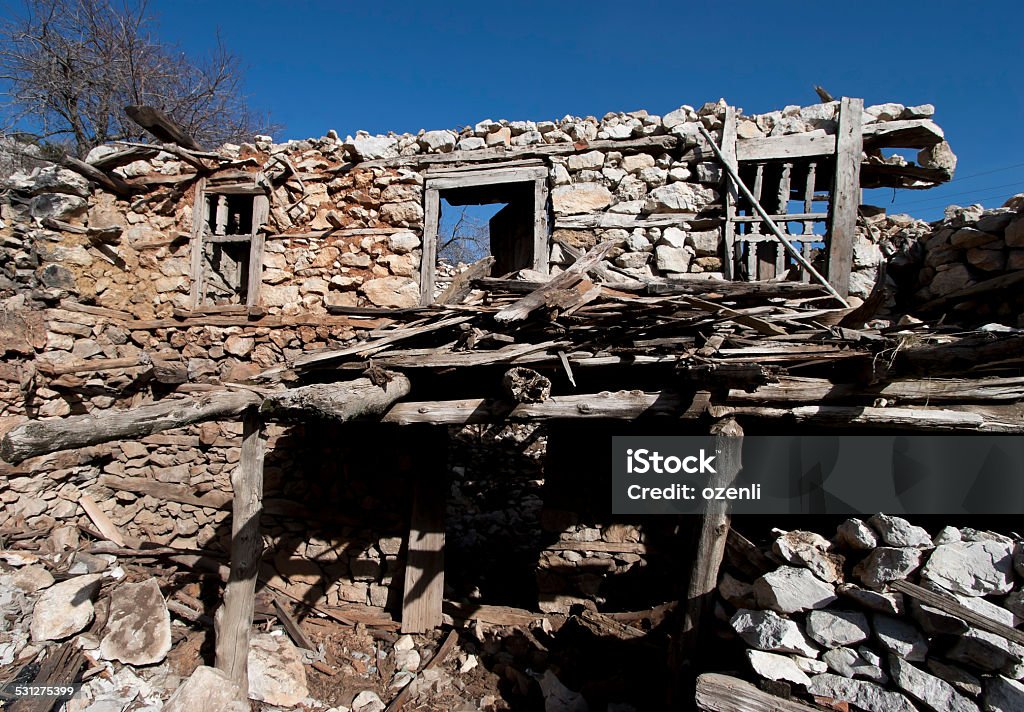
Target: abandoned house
pixel 249 367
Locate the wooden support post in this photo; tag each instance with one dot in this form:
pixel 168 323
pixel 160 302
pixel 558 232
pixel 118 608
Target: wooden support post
pixel 199 207
pixel 428 261
pixel 713 534
pixel 234 618
pixel 424 564
pixel 731 194
pixel 845 194
pixel 254 280
pixel 540 225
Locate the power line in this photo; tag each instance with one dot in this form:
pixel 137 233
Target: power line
pixel 962 192
pixel 1005 196
pixel 986 173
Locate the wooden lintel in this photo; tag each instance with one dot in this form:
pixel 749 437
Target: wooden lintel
pixel 801 145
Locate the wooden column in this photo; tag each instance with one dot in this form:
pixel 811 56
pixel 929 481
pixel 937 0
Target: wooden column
pixel 731 194
pixel 540 225
pixel 198 230
pixel 234 618
pixel 845 194
pixel 260 211
pixel 713 533
pixel 428 260
pixel 424 563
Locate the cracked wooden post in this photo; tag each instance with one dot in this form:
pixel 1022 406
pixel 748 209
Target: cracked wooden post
pixel 711 544
pixel 233 619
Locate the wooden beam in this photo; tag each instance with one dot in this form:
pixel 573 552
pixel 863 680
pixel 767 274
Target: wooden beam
pixel 111 181
pixel 711 545
pixel 947 604
pixel 423 593
pixel 348 400
pixel 621 220
pixel 731 196
pixel 198 231
pixel 428 260
pixel 254 283
pixel 40 437
pixel 161 125
pixel 522 308
pixel 493 176
pixel 845 194
pixel 795 389
pixel 233 620
pixel 722 693
pixel 801 145
pixel 541 231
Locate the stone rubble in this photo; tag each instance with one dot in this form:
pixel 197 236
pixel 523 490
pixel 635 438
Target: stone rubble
pixel 885 651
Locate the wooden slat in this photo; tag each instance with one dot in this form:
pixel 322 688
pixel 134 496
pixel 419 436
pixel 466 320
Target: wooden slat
pixel 541 232
pixel 785 181
pixel 260 211
pixel 424 568
pixel 234 618
pixel 711 543
pixel 731 196
pixel 793 216
pixel 947 605
pixel 801 145
pixel 198 229
pixel 721 693
pixel 489 177
pixel 845 195
pixel 428 261
pixel 621 220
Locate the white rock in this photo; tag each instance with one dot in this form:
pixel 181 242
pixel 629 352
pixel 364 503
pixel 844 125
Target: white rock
pixel 836 629
pixel 973 568
pixel 405 643
pixel 855 534
pixel 138 625
pixel 1003 695
pixel 367 701
pixel 673 259
pixel 438 141
pixel 810 550
pixel 901 638
pixel 580 198
pixel 865 695
pixel 990 652
pixel 896 531
pixel 790 590
pixel 403 242
pixel 890 603
pixel 471 143
pixel 276 672
pixel 207 689
pixel 767 630
pixel 679 197
pixel 391 292
pixel 591 160
pixel 64 608
pixel 937 694
pixel 851 663
pixel 368 148
pixel 887 563
pixel 776 667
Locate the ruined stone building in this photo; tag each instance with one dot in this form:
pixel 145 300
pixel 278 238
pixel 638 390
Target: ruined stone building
pixel 181 328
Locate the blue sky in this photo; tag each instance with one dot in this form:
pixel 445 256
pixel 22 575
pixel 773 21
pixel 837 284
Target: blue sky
pixel 403 66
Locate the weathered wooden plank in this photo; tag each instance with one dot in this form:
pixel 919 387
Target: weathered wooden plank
pixel 721 693
pixel 541 233
pixel 593 221
pixel 845 194
pixel 947 604
pixel 522 308
pixel 423 593
pixel 198 230
pixel 233 619
pixel 801 145
pixel 39 437
pixel 166 491
pixel 161 125
pixel 462 285
pixel 348 400
pixel 488 177
pixel 731 196
pixel 711 543
pixel 922 419
pixel 795 389
pixel 260 211
pixel 428 261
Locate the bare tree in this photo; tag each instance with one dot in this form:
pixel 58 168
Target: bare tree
pixel 468 240
pixel 69 67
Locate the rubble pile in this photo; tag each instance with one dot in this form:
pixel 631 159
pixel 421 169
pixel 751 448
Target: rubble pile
pixel 830 620
pixel 972 265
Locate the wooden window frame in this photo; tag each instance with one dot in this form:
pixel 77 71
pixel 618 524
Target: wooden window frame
pixel 450 179
pixel 255 238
